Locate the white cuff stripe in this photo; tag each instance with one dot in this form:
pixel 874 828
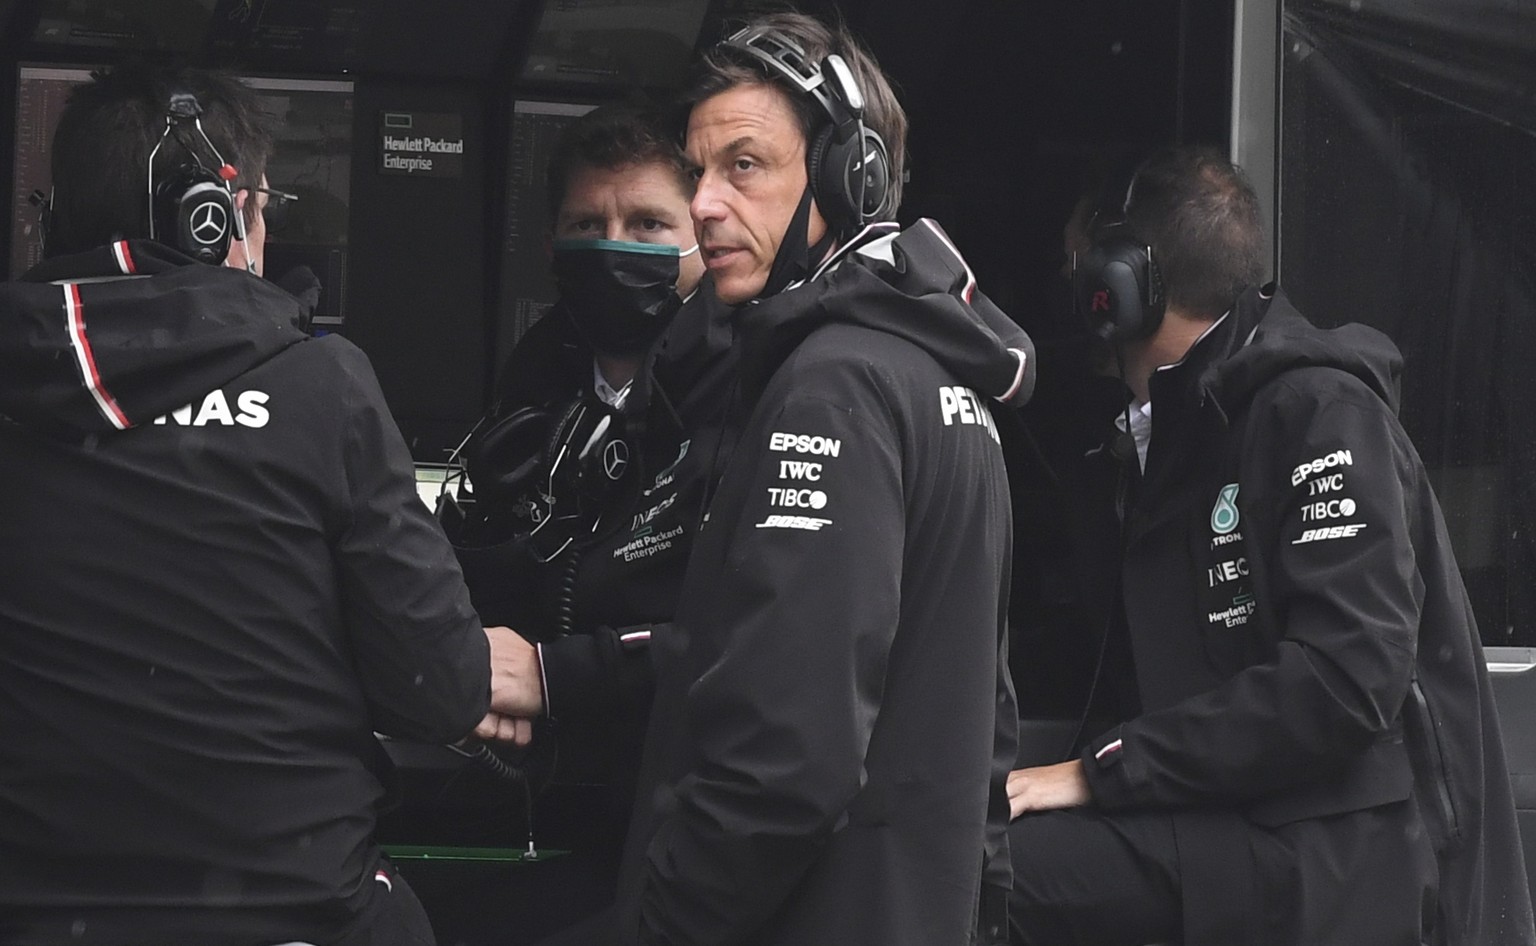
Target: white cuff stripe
pixel 549 710
pixel 1018 377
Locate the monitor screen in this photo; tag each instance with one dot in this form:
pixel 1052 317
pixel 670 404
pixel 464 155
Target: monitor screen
pixel 526 287
pixel 311 160
pixel 126 24
pixel 41 92
pixel 614 43
pixel 312 122
pixel 291 34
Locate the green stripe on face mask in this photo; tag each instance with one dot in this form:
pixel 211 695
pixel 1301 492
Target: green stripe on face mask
pixel 621 246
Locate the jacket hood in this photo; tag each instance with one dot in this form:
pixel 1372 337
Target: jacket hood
pixel 121 335
pixel 912 284
pixel 1267 337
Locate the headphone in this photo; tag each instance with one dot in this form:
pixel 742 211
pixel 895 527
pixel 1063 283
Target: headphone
pixel 548 471
pixel 1117 288
pixel 193 208
pixel 847 162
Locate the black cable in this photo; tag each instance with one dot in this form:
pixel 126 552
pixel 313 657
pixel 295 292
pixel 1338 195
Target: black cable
pixel 565 601
pixel 1122 487
pixel 481 755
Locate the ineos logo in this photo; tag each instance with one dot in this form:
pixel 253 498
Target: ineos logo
pixel 209 223
pixel 615 459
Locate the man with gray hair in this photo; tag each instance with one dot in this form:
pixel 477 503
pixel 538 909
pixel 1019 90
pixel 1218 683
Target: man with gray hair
pixel 834 720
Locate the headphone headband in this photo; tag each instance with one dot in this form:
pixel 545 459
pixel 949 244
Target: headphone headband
pixel 848 163
pixel 193 208
pixel 785 58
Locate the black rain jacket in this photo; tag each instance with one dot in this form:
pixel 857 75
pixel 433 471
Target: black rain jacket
pixel 612 587
pixel 216 582
pixel 834 720
pixel 1306 656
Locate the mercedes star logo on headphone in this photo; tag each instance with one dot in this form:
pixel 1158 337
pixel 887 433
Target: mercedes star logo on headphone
pixel 615 459
pixel 209 223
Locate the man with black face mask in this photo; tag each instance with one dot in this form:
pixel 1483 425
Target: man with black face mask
pixel 623 256
pixel 583 564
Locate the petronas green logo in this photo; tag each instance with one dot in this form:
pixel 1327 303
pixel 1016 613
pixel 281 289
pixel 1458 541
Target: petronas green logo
pixel 1224 515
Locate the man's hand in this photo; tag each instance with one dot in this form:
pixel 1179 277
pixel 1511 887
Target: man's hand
pixel 517 689
pixel 497 728
pixel 1047 787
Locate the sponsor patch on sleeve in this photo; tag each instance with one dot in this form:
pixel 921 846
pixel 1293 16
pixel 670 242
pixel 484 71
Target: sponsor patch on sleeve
pixel 808 523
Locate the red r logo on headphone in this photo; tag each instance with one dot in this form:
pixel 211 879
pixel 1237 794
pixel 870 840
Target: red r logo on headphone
pixel 1100 301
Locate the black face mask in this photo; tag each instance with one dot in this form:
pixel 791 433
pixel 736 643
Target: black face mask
pixel 620 295
pixel 795 259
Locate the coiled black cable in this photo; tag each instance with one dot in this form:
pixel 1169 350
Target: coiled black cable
pixel 481 755
pixel 565 602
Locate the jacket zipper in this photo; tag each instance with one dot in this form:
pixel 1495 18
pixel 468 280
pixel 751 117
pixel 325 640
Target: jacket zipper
pixel 1436 760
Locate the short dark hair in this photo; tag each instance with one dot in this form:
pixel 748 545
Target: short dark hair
pixel 1201 216
pixel 723 67
pixel 608 138
pixel 108 129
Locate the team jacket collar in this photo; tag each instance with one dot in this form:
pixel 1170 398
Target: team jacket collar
pixel 912 284
pixel 122 258
pixel 118 336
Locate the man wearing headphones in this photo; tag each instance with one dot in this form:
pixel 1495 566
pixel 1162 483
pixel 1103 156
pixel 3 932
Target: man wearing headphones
pixel 1315 758
pixel 833 721
pixel 615 348
pixel 216 579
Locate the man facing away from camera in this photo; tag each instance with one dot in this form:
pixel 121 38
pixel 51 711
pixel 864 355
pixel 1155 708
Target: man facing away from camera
pixel 217 581
pixel 1310 752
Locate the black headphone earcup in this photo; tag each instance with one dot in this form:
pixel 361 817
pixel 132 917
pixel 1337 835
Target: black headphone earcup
pixel 503 461
pixel 850 173
pixel 194 211
pixel 829 197
pixel 875 166
pixel 1117 290
pixel 589 450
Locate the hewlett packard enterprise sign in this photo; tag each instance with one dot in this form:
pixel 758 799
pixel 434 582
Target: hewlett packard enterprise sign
pixel 422 144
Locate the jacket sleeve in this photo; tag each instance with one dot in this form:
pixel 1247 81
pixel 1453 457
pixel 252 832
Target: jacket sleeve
pixel 421 656
pixel 785 701
pixel 1340 585
pixel 595 676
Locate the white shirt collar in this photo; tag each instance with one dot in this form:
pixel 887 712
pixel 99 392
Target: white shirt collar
pixel 605 391
pixel 1141 428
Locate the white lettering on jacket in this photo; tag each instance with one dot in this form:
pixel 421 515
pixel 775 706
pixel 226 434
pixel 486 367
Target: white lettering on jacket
pixel 960 402
pixel 808 523
pixel 1330 509
pixel 1336 458
pixel 799 470
pixel 804 443
pixel 215 410
pixel 1330 532
pixel 1227 571
pixel 1331 483
pixel 797 498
